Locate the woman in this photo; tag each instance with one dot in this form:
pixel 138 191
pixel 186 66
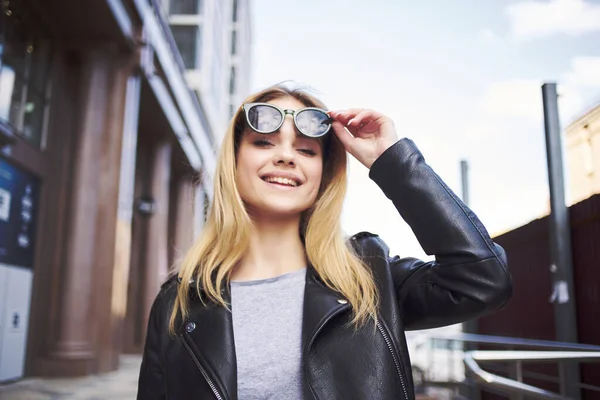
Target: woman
pixel 272 302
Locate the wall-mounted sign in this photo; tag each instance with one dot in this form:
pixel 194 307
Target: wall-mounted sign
pixel 19 193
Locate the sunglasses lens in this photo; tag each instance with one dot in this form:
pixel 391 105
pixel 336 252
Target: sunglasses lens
pixel 264 119
pixel 313 123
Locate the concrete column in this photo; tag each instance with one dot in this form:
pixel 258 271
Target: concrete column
pixel 156 264
pixel 72 350
pixel 150 255
pixel 181 221
pixel 114 230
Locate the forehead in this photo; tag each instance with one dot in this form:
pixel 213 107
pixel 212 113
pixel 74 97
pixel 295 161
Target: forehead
pixel 287 103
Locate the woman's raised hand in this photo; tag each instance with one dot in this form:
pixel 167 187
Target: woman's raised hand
pixel 365 134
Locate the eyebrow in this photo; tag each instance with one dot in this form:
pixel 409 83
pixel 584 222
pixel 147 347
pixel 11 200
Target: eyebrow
pixel 320 141
pixel 277 132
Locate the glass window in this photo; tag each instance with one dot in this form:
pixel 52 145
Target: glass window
pixel 40 64
pixel 234 17
pixel 188 41
pixel 11 89
pixel 33 115
pixel 232 81
pixel 233 41
pixel 24 66
pixel 185 7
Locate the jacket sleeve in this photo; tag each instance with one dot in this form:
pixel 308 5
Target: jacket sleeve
pixel 469 277
pixel 151 383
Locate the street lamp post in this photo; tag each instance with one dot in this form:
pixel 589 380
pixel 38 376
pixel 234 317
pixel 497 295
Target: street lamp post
pixel 560 242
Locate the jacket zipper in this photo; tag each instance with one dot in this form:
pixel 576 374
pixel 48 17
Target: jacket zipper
pixel 391 348
pixel 202 371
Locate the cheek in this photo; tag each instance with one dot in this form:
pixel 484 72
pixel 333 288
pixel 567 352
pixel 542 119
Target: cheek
pixel 247 161
pixel 243 170
pixel 315 173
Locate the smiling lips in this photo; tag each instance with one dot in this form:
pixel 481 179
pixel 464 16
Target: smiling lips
pixel 281 180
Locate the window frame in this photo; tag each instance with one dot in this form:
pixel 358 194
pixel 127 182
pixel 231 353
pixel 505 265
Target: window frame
pixel 199 7
pixel 196 47
pixel 16 128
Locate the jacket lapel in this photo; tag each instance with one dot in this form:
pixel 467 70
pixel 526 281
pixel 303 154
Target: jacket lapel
pixel 212 336
pixel 320 305
pixel 213 343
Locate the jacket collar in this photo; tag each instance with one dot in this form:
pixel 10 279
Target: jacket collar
pixel 213 340
pixel 320 304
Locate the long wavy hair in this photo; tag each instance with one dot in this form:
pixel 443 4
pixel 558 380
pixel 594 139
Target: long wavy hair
pixel 224 238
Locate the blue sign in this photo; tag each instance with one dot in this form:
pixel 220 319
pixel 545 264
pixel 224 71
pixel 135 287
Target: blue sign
pixel 19 193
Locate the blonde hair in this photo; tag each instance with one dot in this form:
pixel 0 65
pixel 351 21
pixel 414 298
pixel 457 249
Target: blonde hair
pixel 224 239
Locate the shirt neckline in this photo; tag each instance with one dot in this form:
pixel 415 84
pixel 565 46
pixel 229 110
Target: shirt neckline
pixel 287 275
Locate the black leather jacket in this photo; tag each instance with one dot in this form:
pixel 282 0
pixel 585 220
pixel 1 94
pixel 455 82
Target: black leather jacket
pixel 468 279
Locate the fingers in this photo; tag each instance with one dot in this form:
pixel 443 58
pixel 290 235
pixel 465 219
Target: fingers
pixel 342 133
pixel 345 115
pixel 354 118
pixel 361 119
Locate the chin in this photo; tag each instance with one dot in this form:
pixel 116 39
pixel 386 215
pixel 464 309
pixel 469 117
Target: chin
pixel 281 209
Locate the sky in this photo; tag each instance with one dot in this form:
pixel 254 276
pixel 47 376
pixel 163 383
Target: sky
pixel 461 78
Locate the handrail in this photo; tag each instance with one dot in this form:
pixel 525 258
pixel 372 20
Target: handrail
pixel 511 341
pixel 542 377
pixel 511 355
pixel 581 352
pixel 516 387
pixel 508 384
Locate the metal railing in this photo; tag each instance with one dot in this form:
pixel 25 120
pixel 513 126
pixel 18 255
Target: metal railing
pixel 517 386
pixel 553 352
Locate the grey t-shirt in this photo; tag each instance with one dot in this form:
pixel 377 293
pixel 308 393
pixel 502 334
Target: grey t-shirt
pixel 267 328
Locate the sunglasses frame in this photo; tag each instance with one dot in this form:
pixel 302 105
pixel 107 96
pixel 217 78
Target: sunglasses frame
pixel 284 113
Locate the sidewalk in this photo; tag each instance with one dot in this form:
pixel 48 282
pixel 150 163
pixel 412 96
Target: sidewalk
pixel 117 385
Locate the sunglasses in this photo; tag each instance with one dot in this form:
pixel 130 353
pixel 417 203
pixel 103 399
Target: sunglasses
pixel 268 118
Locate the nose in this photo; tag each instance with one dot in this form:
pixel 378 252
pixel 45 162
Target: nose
pixel 285 154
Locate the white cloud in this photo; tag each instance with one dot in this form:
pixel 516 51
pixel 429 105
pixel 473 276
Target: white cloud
pixel 534 19
pixel 366 208
pixel 569 101
pixel 516 98
pixel 585 71
pixel 480 130
pixel 523 98
pixel 488 36
pixel 532 202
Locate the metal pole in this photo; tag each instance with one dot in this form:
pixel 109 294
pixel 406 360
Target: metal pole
pixel 464 179
pixel 470 326
pixel 560 241
pixel 519 366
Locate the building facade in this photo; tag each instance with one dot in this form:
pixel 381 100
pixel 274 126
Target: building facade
pixel 106 153
pixel 214 39
pixel 582 143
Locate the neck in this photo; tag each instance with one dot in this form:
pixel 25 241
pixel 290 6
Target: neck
pixel 275 249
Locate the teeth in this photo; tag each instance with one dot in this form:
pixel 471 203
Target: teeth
pixel 282 181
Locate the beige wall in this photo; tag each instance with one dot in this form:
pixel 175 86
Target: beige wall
pixel 582 142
